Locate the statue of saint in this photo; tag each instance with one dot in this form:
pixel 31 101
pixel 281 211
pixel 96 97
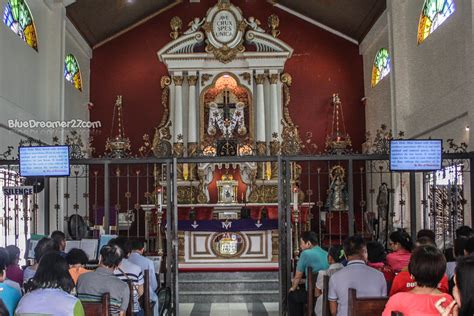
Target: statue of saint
pixel 338 197
pixel 382 201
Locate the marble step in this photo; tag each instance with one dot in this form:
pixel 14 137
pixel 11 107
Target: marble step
pixel 228 285
pixel 185 276
pixel 228 297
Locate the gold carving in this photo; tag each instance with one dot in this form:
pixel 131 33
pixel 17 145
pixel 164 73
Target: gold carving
pixel 261 149
pixel 223 4
pixel 275 147
pixel 205 78
pixel 260 78
pixel 176 25
pixel 247 77
pixel 192 80
pixel 273 78
pixel 178 80
pixel 225 54
pixel 291 141
pixel 178 149
pixel 161 140
pixel 187 195
pixel 274 23
pixel 207 27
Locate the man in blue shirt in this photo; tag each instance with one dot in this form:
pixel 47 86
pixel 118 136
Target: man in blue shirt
pixel 312 256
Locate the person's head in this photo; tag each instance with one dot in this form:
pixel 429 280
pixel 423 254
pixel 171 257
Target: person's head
pixel 59 238
pixel 111 256
pixel 335 254
pixel 459 245
pixel 123 243
pixel 426 233
pixel 355 248
pixel 424 241
pixel 53 272
pixel 13 254
pixel 76 256
pixel 375 252
pixel 138 245
pixel 3 263
pixel 400 239
pixel 427 266
pixel 43 246
pixel 308 239
pixel 449 254
pixel 469 247
pixel 464 285
pixel 464 232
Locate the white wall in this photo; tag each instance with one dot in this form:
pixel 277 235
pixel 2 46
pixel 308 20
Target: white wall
pixel 32 84
pixel 430 88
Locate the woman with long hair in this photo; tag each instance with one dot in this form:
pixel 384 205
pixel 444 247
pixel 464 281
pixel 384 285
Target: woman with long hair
pixel 401 245
pixel 49 290
pixel 463 292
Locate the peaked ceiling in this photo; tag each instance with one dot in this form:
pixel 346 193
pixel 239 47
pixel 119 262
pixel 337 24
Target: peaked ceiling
pixel 99 20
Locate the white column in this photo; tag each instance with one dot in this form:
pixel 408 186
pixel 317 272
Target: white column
pixel 260 110
pixel 192 116
pixel 178 109
pixel 274 104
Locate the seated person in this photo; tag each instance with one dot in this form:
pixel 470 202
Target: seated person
pixel 458 252
pixel 91 286
pixel 464 232
pixel 401 245
pixel 60 239
pixel 311 256
pixel 426 233
pixel 49 290
pixel 76 258
pixel 427 266
pixel 469 247
pixel 44 245
pixel 335 257
pixel 356 275
pixel 14 272
pixel 137 257
pixel 376 259
pixel 4 257
pixel 10 295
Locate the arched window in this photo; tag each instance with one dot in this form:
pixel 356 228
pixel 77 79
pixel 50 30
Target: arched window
pixel 17 16
pixel 434 13
pixel 72 72
pixel 381 66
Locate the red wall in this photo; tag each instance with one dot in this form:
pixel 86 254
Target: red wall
pixel 322 64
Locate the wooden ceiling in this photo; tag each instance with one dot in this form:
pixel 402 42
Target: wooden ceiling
pixel 99 20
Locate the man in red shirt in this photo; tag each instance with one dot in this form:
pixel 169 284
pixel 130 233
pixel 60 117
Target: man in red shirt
pixel 403 282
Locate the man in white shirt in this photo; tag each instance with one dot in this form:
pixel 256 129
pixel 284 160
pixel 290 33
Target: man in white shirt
pixel 356 275
pixel 138 248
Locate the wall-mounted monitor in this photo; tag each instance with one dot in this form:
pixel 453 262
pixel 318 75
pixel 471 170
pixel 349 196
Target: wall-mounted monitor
pixel 44 161
pixel 416 154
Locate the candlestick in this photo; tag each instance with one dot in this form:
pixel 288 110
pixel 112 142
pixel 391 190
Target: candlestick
pixel 185 171
pixel 295 198
pixel 269 170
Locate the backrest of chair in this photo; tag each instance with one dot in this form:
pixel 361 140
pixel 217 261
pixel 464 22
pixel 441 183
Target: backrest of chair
pixel 130 303
pixel 326 311
pixel 311 278
pixel 97 308
pixel 146 293
pixel 164 299
pixel 365 305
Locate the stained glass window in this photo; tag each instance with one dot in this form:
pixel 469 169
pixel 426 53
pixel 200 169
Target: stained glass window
pixel 434 13
pixel 381 66
pixel 17 16
pixel 72 72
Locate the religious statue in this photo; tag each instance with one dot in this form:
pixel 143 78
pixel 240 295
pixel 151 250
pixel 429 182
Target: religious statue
pixel 194 25
pixel 338 197
pixel 254 24
pixel 382 201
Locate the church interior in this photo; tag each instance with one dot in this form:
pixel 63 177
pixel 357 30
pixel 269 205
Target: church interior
pixel 228 144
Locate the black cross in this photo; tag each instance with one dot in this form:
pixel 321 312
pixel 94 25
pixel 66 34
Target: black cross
pixel 226 105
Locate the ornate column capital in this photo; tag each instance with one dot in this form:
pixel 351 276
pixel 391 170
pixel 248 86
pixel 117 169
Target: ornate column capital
pixel 192 80
pixel 178 80
pixel 273 78
pixel 260 78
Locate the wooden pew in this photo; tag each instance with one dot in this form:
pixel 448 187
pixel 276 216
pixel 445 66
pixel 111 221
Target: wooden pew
pixel 326 311
pixel 365 305
pixel 99 308
pixel 146 294
pixel 311 278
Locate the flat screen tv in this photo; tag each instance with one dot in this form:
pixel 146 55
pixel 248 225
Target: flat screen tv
pixel 416 154
pixel 44 161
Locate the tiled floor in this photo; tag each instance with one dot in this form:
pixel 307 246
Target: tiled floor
pixel 228 309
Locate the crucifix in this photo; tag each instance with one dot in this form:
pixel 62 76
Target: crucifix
pixel 226 105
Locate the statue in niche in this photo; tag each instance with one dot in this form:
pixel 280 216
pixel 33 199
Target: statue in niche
pixel 338 197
